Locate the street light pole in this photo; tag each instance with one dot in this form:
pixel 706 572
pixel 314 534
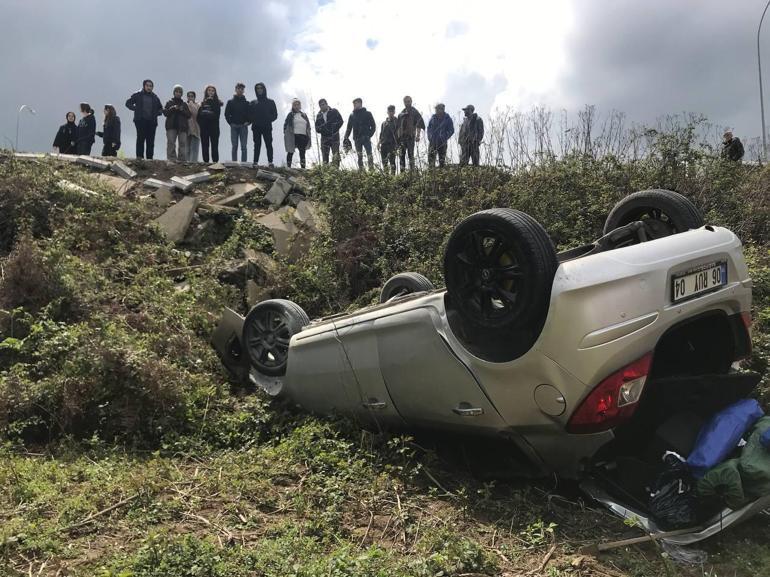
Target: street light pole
pixel 31 110
pixel 761 96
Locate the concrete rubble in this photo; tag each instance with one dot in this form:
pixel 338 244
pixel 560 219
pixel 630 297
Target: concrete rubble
pixel 217 167
pixel 121 169
pixel 198 177
pixel 181 183
pixel 288 240
pixel 157 183
pixel 307 215
pixel 176 220
pixel 119 185
pixel 278 192
pixel 267 175
pixel 93 162
pixel 256 293
pixel 163 196
pixel 240 192
pixel 72 187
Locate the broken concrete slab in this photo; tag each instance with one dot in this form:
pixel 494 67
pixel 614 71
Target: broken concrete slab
pixel 295 198
pixel 123 170
pixel 255 293
pixel 235 164
pixel 29 155
pixel 157 183
pixel 163 196
pixel 198 177
pixel 181 183
pixel 288 240
pixel 278 192
pixel 213 209
pixel 243 187
pixel 240 192
pixel 267 175
pixel 92 162
pixel 217 167
pixel 261 267
pixel 307 215
pixel 119 185
pixel 176 220
pixel 72 187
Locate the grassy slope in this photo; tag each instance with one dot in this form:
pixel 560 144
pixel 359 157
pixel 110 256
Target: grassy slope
pixel 219 482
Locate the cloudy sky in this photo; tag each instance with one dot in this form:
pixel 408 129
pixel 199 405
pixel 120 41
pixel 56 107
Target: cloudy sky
pixel 646 58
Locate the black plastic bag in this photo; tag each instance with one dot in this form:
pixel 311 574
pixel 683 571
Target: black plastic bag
pixel 673 504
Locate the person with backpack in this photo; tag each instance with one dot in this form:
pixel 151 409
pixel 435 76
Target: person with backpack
pixel 66 139
pixel 361 124
pixel 110 132
pixel 388 143
pixel 146 107
pixel 262 114
pixel 177 125
pixel 86 130
pixel 237 116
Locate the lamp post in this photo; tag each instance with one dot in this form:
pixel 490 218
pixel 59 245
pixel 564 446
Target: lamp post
pixel 31 110
pixel 761 97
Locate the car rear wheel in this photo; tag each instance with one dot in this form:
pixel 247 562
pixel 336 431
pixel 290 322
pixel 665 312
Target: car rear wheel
pixel 663 213
pixel 403 284
pixel 499 265
pixel 267 330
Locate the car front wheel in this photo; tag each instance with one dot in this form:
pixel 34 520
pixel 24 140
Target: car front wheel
pixel 267 330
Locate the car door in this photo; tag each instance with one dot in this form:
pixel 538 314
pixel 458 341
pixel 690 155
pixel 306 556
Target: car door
pixel 427 382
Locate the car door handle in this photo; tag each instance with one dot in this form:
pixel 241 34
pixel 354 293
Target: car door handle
pixel 466 410
pixel 375 405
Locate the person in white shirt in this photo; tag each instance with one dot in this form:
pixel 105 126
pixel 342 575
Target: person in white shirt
pixel 296 133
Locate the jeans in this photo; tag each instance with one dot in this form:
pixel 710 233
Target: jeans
pixel 331 144
pixel 300 143
pixel 176 144
pixel 145 133
pixel 239 132
pixel 193 144
pixel 388 154
pixel 260 133
pixel 362 145
pixel 406 147
pixel 209 136
pixel 434 148
pixel 469 150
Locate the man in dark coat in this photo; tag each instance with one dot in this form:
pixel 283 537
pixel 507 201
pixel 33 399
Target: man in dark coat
pixel 146 107
pixel 440 130
pixel 388 143
pixel 732 147
pixel 409 124
pixel 361 124
pixel 262 114
pixel 237 116
pixel 471 135
pixel 328 123
pixel 177 125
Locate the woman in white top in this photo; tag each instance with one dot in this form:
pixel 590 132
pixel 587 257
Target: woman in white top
pixel 296 133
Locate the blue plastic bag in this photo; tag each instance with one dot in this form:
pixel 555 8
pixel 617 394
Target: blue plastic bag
pixel 721 434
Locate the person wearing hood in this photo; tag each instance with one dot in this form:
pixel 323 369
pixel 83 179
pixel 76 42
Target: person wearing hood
pixel 67 136
pixel 146 107
pixel 408 126
pixel 440 130
pixel 237 116
pixel 471 135
pixel 732 147
pixel 328 123
pixel 110 133
pixel 361 124
pixel 193 129
pixel 296 133
pixel 177 125
pixel 208 120
pixel 388 143
pixel 262 114
pixel 86 130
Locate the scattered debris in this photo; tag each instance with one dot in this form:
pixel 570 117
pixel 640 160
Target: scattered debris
pixel 267 175
pixel 278 192
pixel 163 196
pixel 255 293
pixel 199 177
pixel 72 187
pixel 217 167
pixel 93 162
pixel 157 183
pixel 181 183
pixel 307 215
pixel 176 220
pixel 119 185
pixel 31 155
pixel 235 164
pixel 206 208
pixel 287 238
pixel 261 267
pixel 295 198
pixel 240 192
pixel 123 170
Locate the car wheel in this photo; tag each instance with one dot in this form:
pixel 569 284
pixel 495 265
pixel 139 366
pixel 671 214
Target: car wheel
pixel 403 284
pixel 267 330
pixel 663 213
pixel 499 265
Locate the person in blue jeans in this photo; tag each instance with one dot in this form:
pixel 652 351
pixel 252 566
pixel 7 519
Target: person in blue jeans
pixel 237 116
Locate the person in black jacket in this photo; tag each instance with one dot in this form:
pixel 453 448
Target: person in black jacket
pixel 388 143
pixel 237 116
pixel 146 107
pixel 361 123
pixel 262 114
pixel 732 147
pixel 208 121
pixel 86 129
pixel 67 136
pixel 328 123
pixel 177 116
pixel 111 131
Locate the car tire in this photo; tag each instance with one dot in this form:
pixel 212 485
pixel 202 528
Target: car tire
pixel 267 330
pixel 664 213
pixel 499 266
pixel 403 284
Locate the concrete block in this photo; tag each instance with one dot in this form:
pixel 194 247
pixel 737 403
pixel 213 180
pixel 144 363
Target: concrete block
pixel 307 215
pixel 163 196
pixel 218 167
pixel 176 220
pixel 123 170
pixel 92 162
pixel 278 192
pixel 198 177
pixel 235 164
pixel 267 175
pixel 240 192
pixel 181 183
pixel 29 155
pixel 157 183
pixel 288 240
pixel 255 293
pixel 118 185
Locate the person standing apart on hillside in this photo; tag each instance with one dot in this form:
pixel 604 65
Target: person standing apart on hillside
pixel 440 130
pixel 409 124
pixel 328 123
pixel 66 139
pixel 296 133
pixel 388 143
pixel 208 120
pixel 262 114
pixel 86 129
pixel 146 107
pixel 471 135
pixel 732 147
pixel 193 129
pixel 237 116
pixel 110 132
pixel 361 124
pixel 177 121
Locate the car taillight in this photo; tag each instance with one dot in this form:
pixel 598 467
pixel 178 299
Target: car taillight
pixel 613 401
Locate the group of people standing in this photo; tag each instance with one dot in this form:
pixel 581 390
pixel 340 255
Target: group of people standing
pixel 191 124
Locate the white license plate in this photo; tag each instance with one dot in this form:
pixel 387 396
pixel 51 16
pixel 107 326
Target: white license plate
pixel 697 281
